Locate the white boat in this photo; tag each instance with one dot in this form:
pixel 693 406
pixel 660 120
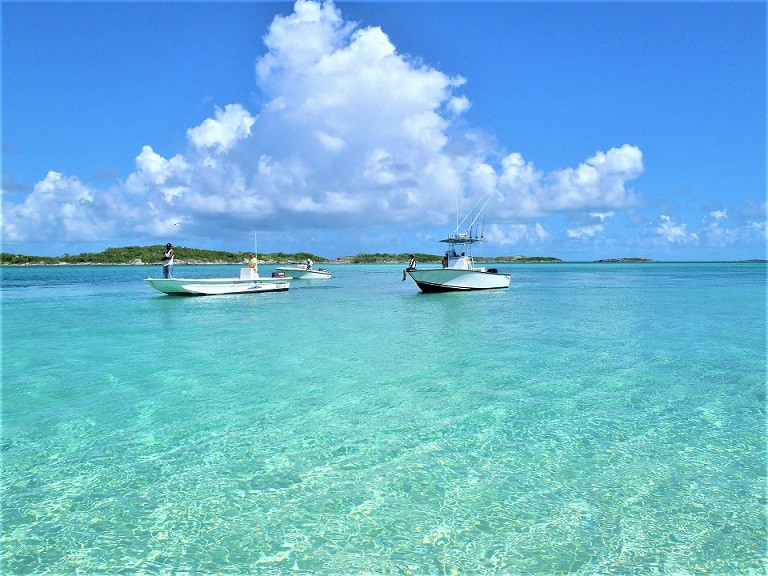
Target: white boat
pixel 304 272
pixel 249 281
pixel 458 272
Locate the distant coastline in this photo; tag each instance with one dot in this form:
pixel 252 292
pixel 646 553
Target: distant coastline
pixel 613 260
pixel 359 259
pixel 150 256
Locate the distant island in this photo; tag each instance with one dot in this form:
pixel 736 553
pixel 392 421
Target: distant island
pixel 625 260
pixel 151 255
pixel 432 258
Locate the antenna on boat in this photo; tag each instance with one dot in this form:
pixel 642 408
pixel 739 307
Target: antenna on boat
pixel 481 210
pixel 457 213
pixel 468 214
pixel 255 250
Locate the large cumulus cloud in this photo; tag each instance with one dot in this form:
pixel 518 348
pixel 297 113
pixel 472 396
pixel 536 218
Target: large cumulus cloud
pixel 351 133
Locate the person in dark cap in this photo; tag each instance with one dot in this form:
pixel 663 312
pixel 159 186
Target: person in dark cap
pixel 411 266
pixel 168 261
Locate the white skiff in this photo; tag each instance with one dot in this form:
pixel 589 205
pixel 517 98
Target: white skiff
pixel 302 272
pixel 248 282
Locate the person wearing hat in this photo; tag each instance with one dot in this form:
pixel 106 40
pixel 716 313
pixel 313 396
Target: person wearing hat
pixel 168 261
pixel 411 266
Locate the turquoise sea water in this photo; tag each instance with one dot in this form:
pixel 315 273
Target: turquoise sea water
pixel 591 419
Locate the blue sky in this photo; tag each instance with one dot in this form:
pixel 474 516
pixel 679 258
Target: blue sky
pixel 599 129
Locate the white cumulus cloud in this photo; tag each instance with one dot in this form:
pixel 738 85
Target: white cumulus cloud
pixel 230 125
pixel 667 230
pixel 63 208
pixel 598 183
pixel 351 134
pixel 511 234
pixel 585 231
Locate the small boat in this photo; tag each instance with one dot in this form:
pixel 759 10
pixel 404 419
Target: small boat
pixel 249 281
pixel 304 272
pixel 458 272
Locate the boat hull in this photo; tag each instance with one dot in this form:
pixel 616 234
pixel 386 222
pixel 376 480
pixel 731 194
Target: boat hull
pixel 304 274
pixel 215 286
pixel 456 280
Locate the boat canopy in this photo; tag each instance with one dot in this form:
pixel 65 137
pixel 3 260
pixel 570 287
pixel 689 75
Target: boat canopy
pixel 462 238
pixel 468 237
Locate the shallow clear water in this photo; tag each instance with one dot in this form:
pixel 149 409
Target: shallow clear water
pixel 591 419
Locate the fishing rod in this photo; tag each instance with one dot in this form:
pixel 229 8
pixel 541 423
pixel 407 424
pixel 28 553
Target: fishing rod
pixel 472 210
pixel 490 197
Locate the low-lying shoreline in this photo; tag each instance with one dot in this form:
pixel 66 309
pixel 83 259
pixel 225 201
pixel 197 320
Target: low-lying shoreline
pixel 186 256
pixel 343 262
pixel 151 256
pixel 269 262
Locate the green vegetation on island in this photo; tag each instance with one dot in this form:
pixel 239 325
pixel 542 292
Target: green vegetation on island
pixel 379 258
pixel 137 255
pixel 153 255
pixel 519 259
pixel 625 260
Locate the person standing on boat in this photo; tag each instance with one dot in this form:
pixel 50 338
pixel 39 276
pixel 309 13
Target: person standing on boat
pixel 309 263
pixel 411 266
pixel 445 260
pixel 168 261
pixel 253 264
